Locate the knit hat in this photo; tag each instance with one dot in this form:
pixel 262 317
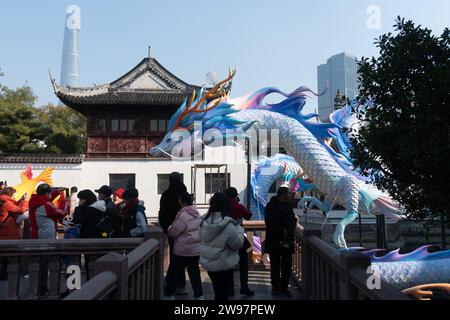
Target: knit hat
pixel 119 192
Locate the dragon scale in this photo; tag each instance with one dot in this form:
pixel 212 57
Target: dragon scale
pixel 317 163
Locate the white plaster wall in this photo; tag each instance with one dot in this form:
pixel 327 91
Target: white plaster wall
pixel 92 174
pixel 64 175
pixel 96 173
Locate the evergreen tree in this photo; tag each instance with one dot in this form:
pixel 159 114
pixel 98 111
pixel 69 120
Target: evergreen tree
pixel 27 129
pixel 404 144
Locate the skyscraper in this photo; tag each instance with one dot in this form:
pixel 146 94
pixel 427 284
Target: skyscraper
pixel 339 73
pixel 69 67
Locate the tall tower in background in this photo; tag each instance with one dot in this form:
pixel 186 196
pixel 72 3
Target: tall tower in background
pixel 70 57
pixel 339 74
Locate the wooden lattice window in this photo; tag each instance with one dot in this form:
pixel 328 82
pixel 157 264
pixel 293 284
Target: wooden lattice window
pixel 97 125
pixel 216 182
pixel 159 125
pixel 163 182
pixel 127 126
pixel 126 181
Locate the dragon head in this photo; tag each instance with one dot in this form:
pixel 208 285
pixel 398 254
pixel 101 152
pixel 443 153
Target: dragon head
pixel 201 120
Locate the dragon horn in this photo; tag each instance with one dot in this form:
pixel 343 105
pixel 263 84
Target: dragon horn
pixel 205 96
pixel 192 99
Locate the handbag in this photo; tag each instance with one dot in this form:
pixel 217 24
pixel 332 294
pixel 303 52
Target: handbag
pixel 247 245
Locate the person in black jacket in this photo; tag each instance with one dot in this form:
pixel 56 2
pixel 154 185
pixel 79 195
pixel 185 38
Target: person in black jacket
pixel 280 227
pixel 168 210
pixel 88 214
pixel 114 216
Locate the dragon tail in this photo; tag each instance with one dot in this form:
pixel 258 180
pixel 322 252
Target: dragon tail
pixel 389 208
pixel 46 176
pixel 372 198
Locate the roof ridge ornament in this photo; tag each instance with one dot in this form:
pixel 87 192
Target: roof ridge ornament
pixel 53 81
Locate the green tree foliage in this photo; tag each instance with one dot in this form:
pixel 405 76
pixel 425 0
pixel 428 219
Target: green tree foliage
pixel 405 142
pixel 49 129
pixel 67 129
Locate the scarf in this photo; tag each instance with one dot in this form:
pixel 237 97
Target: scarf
pixel 129 208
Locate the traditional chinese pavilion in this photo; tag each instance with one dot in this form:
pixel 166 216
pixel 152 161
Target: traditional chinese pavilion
pixel 129 115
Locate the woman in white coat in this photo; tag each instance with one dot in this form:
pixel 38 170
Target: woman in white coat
pixel 221 238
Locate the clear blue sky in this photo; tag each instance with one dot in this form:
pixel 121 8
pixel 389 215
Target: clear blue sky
pixel 273 43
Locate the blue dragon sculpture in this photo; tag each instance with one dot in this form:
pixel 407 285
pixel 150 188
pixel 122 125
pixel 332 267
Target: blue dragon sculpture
pixel 404 271
pixel 312 148
pixel 307 141
pixel 282 168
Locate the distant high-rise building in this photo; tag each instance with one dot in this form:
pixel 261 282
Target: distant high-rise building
pixel 69 67
pixel 339 73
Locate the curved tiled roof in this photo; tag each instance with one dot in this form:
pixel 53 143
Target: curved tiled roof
pixel 40 158
pixel 146 98
pixel 170 91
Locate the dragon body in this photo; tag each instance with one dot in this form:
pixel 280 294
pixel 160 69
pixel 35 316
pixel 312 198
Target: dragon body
pixel 328 175
pixel 404 271
pixel 319 151
pixel 305 140
pixel 282 168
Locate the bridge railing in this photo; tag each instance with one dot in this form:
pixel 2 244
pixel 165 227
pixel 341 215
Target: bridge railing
pixel 323 273
pixel 135 276
pixel 24 257
pixel 327 274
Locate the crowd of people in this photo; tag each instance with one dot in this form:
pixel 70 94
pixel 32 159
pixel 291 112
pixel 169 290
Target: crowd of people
pixel 83 214
pixel 218 243
pixel 215 241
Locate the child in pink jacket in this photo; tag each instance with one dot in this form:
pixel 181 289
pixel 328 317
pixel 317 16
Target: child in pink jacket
pixel 185 230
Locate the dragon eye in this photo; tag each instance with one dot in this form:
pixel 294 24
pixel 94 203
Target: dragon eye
pixel 169 140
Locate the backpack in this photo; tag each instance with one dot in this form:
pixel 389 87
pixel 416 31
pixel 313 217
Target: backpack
pixel 107 226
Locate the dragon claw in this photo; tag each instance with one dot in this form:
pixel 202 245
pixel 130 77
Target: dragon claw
pixel 337 238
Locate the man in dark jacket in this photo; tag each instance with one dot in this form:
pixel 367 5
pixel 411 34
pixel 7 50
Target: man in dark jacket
pixel 135 220
pixel 280 227
pixel 168 210
pixel 238 212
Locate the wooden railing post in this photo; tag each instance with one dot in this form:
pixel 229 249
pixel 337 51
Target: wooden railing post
pixel 54 268
pixel 13 278
pixel 352 260
pixel 33 277
pixel 118 264
pixel 307 263
pixel 158 234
